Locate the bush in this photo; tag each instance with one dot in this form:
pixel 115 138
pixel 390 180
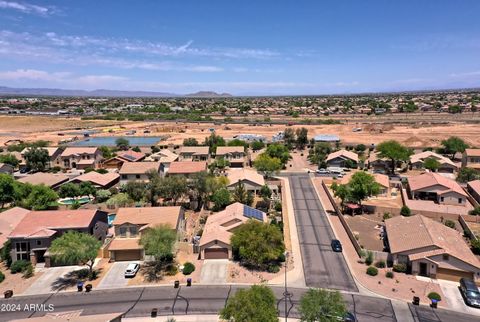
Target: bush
pixel 449 223
pixel 2 277
pixel 400 268
pixel 389 274
pixel 405 211
pixel 434 296
pixel 171 270
pixel 273 268
pixel 5 253
pixel 28 271
pixel 281 258
pixel 372 271
pixel 188 268
pixel 386 215
pixel 19 266
pixel 278 206
pixel 380 264
pixel 369 258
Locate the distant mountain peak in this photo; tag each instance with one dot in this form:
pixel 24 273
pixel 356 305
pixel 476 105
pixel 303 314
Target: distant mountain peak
pixel 208 94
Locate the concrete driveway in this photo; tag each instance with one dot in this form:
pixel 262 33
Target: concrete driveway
pixel 115 277
pixel 51 280
pixel 214 271
pixel 454 298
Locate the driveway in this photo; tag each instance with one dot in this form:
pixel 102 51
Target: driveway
pixel 115 277
pixel 454 298
pixel 214 271
pixel 52 280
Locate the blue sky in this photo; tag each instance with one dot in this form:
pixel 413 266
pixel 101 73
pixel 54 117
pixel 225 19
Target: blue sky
pixel 241 47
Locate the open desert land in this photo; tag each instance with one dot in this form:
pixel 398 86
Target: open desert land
pixel 30 128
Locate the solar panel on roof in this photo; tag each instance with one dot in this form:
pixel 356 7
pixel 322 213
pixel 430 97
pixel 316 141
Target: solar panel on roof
pixel 250 212
pixel 129 157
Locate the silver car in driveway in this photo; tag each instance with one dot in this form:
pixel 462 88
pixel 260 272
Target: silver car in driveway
pixel 132 270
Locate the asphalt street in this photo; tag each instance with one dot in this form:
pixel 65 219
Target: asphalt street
pixel 322 266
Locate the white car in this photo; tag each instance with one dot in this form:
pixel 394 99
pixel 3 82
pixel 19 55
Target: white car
pixel 322 171
pixel 132 270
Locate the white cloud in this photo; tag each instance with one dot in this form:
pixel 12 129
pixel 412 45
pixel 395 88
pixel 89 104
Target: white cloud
pixel 25 7
pixel 31 74
pixel 466 74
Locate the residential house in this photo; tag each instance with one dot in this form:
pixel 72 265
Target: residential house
pixel 6 168
pixel 429 248
pixel 382 179
pixel 53 153
pixel 342 159
pixel 9 219
pixel 98 180
pixel 251 179
pixel 32 237
pixel 81 157
pixel 165 157
pixel 473 187
pixel 187 168
pixel 193 153
pixel 234 154
pixel 130 223
pixel 117 161
pixel 137 171
pixel 471 159
pixel 379 165
pixel 446 165
pixel 215 240
pixel 434 187
pixel 52 180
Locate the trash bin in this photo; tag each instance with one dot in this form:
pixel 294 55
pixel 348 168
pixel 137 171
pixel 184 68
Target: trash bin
pixel 80 286
pixel 8 294
pixel 154 313
pixel 434 304
pixel 189 282
pixel 176 284
pixel 88 287
pixel 416 300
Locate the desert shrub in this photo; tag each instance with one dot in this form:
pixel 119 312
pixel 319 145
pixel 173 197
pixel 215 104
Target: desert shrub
pixel 188 268
pixel 19 266
pixel 171 270
pixel 389 274
pixel 449 223
pixel 273 268
pixel 405 211
pixel 372 271
pixel 278 206
pixel 281 258
pixel 2 277
pixel 386 215
pixel 400 268
pixel 28 271
pixel 434 296
pixel 380 264
pixel 369 258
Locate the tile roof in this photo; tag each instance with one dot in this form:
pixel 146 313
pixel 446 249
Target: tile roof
pixel 78 150
pixel 474 185
pixel 187 167
pixel 236 175
pixel 138 167
pixel 381 179
pixel 148 216
pixel 430 179
pixel 421 157
pixel 222 150
pixel 98 178
pixel 343 153
pixel 472 152
pixel 410 233
pixel 130 155
pixel 43 222
pixel 196 150
pixel 124 244
pixel 9 219
pixel 48 179
pixel 163 156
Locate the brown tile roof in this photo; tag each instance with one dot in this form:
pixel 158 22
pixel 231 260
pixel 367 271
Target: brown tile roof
pixel 9 219
pixel 421 157
pixel 150 216
pixel 124 244
pixel 196 150
pixel 187 167
pixel 343 153
pixel 130 155
pixel 78 150
pixel 236 175
pixel 472 152
pixel 163 156
pixel 222 150
pixel 474 185
pixel 139 167
pixel 410 233
pixel 41 222
pixel 48 179
pixel 98 179
pixel 430 179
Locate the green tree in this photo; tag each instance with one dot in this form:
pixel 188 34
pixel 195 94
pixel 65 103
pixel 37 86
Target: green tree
pixel 219 165
pixel 190 142
pixel 361 186
pixel 107 153
pixel 7 189
pixel 319 305
pixel 40 198
pixel 153 187
pixel 302 138
pixel 87 189
pixel 75 247
pixel 394 151
pixel 257 244
pixel 173 187
pixel 431 164
pixel 318 154
pixel 213 141
pixel 341 191
pixel 135 190
pixel 257 303
pixel 122 144
pixel 237 142
pixel 240 194
pixel 221 198
pixel 266 192
pixel 257 145
pixel 454 144
pixel 158 242
pixel 9 159
pixel 289 137
pixel 267 165
pixel 69 190
pixel 120 200
pixel 280 151
pixel 198 187
pixel 467 174
pixel 405 211
pixel 37 159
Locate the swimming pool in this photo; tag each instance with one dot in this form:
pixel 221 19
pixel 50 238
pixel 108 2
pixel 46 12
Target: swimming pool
pixel 111 218
pixel 110 141
pixel 70 201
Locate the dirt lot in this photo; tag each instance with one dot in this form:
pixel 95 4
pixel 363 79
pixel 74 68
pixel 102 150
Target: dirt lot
pixel 368 230
pixel 44 127
pixel 15 282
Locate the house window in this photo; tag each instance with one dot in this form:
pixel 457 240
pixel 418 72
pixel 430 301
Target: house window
pixel 441 199
pixel 23 250
pixel 133 231
pixel 124 176
pixel 459 200
pixel 39 242
pixel 445 257
pixel 137 176
pixel 123 231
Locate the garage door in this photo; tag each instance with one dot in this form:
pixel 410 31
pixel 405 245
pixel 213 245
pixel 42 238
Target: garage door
pixel 216 253
pixel 128 255
pixel 452 275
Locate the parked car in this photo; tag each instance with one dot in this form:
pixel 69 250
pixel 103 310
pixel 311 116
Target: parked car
pixel 322 171
pixel 336 245
pixel 132 270
pixel 470 292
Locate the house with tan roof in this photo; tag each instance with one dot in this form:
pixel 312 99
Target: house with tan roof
pixel 215 240
pixel 117 161
pixel 251 179
pixel 471 159
pixel 53 153
pixel 9 219
pixel 429 248
pixel 186 168
pixel 379 165
pixel 137 171
pixel 194 153
pixel 34 234
pixel 98 180
pixel 473 188
pixel 130 223
pixel 52 180
pixel 342 159
pixel 434 187
pixel 446 165
pixel 81 158
pixel 382 179
pixel 165 157
pixel 234 154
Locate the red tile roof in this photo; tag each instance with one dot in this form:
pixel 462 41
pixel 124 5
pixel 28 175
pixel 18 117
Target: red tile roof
pixel 430 179
pixel 187 167
pixel 139 167
pixel 9 219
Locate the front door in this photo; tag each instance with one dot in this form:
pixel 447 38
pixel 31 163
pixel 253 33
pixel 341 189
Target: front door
pixel 423 269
